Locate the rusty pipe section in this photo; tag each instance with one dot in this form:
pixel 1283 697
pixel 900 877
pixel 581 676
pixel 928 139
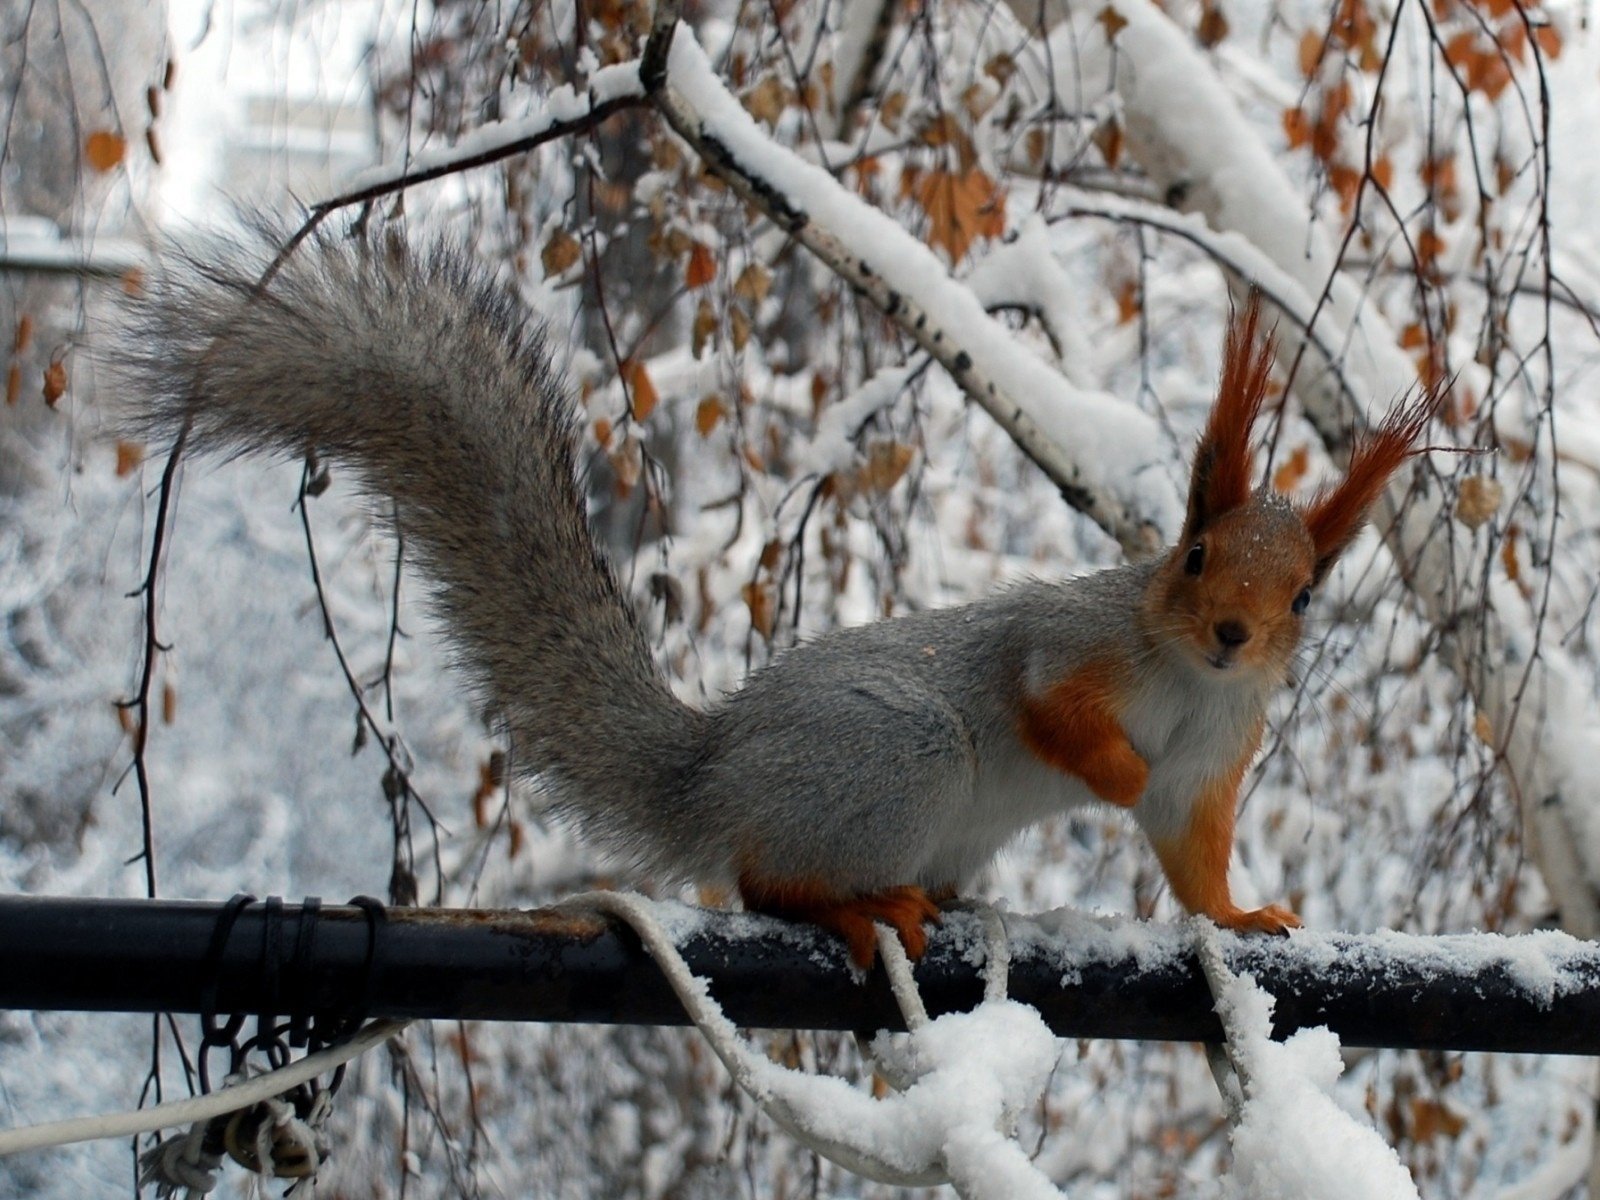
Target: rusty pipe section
pixel 1089 977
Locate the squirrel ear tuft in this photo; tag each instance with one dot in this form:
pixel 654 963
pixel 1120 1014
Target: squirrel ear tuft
pixel 1335 515
pixel 1222 464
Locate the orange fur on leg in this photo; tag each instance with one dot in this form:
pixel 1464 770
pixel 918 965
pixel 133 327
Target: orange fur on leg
pixel 1073 728
pixel 905 909
pixel 1196 863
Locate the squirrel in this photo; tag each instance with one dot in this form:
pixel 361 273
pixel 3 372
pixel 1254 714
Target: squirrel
pixel 864 776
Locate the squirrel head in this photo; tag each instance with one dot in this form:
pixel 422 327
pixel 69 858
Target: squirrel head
pixel 1231 596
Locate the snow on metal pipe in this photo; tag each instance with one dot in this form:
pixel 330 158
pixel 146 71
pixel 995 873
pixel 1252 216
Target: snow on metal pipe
pixel 1089 977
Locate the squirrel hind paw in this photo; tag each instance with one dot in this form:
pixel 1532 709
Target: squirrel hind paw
pixel 1274 919
pixel 907 910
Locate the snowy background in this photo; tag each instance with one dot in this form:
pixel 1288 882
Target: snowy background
pixel 768 457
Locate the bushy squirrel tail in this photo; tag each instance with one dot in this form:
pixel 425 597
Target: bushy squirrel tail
pixel 419 371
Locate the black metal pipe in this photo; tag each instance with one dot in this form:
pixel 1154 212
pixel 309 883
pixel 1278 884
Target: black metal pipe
pixel 1537 993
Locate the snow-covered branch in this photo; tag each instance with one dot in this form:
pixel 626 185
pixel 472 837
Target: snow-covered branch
pixel 1101 453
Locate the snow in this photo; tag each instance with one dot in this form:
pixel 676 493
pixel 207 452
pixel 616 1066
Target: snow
pixel 1292 1138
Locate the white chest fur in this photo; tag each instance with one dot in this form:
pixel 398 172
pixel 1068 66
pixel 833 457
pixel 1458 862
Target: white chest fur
pixel 1191 730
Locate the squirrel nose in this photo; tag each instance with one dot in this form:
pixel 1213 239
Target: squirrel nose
pixel 1231 634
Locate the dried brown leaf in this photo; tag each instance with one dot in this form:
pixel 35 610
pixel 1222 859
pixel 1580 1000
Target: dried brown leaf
pixel 702 266
pixel 1293 471
pixel 762 601
pixel 560 251
pixel 129 456
pixel 1478 500
pixel 1112 22
pixel 708 415
pixel 55 382
pixel 961 208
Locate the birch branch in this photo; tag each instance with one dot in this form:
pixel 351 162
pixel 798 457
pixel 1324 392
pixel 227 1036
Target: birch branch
pixel 906 281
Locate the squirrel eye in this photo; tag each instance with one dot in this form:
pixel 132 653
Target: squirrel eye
pixel 1195 562
pixel 1301 602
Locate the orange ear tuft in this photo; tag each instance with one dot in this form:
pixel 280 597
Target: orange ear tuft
pixel 1336 514
pixel 1222 465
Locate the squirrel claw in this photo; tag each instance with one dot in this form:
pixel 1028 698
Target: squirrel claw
pixel 907 910
pixel 1274 919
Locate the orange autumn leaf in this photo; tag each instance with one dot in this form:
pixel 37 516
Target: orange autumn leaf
pixel 104 149
pixel 560 251
pixel 1504 175
pixel 1459 49
pixel 1439 175
pixel 1346 181
pixel 1287 477
pixel 1510 561
pixel 1488 73
pixel 1310 52
pixel 1213 27
pixel 1296 127
pixel 887 463
pixel 1127 301
pixel 1337 100
pixel 645 396
pixel 1383 172
pixel 702 268
pixel 1108 139
pixel 55 382
pixel 960 208
pixel 708 415
pixel 1549 39
pixel 1412 337
pixel 762 601
pixel 24 334
pixel 1112 21
pixel 13 384
pixel 129 456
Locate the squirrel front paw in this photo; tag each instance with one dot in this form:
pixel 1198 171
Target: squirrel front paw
pixel 1274 919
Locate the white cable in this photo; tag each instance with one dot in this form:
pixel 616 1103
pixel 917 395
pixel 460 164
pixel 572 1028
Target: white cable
pixel 1233 1081
pixel 749 1071
pixel 198 1108
pixel 901 983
